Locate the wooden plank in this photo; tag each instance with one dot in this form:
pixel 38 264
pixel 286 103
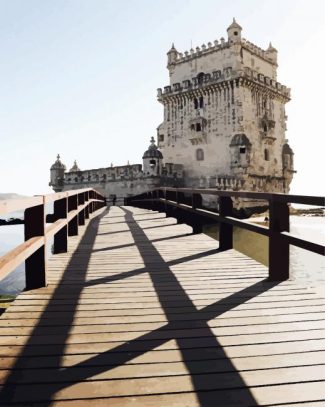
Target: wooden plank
pixel 165 385
pixel 135 314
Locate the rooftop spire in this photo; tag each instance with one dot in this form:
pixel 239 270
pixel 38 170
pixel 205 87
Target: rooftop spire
pixel 234 24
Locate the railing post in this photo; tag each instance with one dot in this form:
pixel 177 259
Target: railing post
pixel 151 201
pixel 168 209
pixel 195 220
pixel 225 230
pixel 278 247
pixel 73 224
pixel 35 265
pixel 180 198
pixel 81 215
pixel 61 237
pixel 160 204
pixel 91 204
pixel 87 207
pixel 165 203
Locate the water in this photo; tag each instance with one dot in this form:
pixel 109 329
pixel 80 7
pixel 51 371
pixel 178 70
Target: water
pixel 304 266
pixel 10 237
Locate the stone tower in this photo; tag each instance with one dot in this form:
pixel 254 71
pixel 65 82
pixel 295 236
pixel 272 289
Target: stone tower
pixel 57 175
pixel 152 160
pixel 224 116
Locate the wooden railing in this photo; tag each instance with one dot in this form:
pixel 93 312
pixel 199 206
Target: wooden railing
pixel 71 209
pixel 185 204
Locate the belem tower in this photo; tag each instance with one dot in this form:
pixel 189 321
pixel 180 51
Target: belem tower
pixel 224 127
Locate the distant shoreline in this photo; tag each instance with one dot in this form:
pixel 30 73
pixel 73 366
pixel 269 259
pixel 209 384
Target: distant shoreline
pixel 11 221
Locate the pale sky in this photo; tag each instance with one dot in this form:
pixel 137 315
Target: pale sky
pixel 79 78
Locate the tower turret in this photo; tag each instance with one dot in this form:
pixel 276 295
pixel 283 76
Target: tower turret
pixel 57 175
pixel 272 53
pixel 75 167
pixel 234 32
pixel 171 56
pixel 152 160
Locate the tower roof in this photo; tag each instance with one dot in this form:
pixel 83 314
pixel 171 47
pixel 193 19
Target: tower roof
pixel 173 49
pixel 234 24
pixel 58 164
pixel 271 48
pixel 75 167
pixel 152 151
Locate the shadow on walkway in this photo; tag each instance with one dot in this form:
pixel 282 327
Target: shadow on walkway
pixel 199 369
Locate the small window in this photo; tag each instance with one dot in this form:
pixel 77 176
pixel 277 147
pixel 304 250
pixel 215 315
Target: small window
pixel 196 104
pixel 242 150
pixel 192 126
pixel 199 154
pixel 201 102
pixel 266 155
pixel 265 127
pixel 198 127
pixel 200 78
pixel 152 163
pixel 235 32
pixel 161 137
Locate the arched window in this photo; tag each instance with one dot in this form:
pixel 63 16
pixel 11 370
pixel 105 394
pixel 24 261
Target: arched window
pixel 198 127
pixel 199 154
pixel 196 104
pixel 265 127
pixel 201 102
pixel 266 155
pixel 200 78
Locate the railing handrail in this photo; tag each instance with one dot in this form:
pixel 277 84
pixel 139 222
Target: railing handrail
pixel 278 232
pixel 71 208
pixel 263 196
pixel 18 204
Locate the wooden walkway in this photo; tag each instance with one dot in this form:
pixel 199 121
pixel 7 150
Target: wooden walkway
pixel 140 312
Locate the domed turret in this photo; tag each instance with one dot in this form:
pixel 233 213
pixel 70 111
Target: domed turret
pixel 287 157
pixel 57 175
pixel 75 167
pixel 152 159
pixel 234 32
pixel 58 164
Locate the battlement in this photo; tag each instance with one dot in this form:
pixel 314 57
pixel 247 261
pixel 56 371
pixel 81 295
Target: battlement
pixel 220 77
pixel 199 51
pixel 217 46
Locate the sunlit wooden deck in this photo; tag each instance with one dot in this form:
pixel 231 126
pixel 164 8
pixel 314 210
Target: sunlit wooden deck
pixel 140 312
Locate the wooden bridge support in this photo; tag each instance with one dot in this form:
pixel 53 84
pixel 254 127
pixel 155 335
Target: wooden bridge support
pixel 225 229
pixel 35 265
pixel 73 224
pixel 61 237
pixel 278 246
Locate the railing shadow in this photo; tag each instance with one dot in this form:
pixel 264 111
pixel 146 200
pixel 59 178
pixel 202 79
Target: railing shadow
pixel 200 371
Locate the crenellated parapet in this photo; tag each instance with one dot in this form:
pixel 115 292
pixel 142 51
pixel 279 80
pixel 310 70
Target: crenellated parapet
pixel 268 55
pixel 220 79
pixel 198 52
pixel 218 46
